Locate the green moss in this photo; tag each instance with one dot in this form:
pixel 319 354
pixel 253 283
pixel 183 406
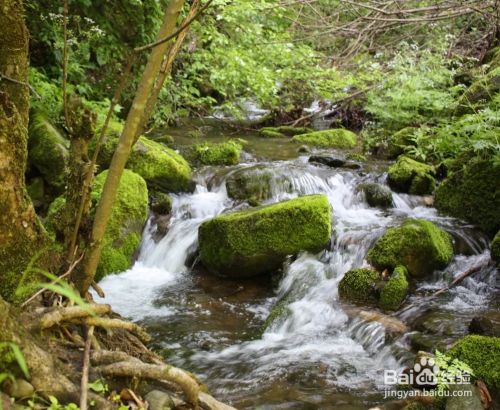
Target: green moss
pixel 280 311
pixel 482 354
pixel 283 131
pixel 54 221
pixel 418 245
pixel 472 193
pixel 47 150
pixel 129 214
pixel 480 92
pixel 160 166
pixel 360 286
pixel 256 241
pixel 356 156
pixel 408 175
pixel 36 190
pixel 161 203
pixel 399 141
pixel 252 185
pixel 395 290
pixel 377 195
pixel 495 247
pixel 336 138
pixel 224 153
pixel 165 139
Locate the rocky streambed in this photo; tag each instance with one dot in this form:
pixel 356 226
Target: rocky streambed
pixel 294 325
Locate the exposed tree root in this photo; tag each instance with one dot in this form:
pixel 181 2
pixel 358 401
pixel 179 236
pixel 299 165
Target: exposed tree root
pixel 55 316
pixel 117 324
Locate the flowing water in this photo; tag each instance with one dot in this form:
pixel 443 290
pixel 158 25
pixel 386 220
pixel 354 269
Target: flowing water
pixel 321 353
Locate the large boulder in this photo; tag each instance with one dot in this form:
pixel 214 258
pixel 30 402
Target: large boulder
pixel 408 175
pixel 124 230
pixel 482 354
pixel 335 138
pixel 223 153
pixel 161 167
pixel 48 151
pixel 471 192
pixel 257 241
pixel 417 244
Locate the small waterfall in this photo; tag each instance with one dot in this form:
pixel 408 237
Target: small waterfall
pixel 315 340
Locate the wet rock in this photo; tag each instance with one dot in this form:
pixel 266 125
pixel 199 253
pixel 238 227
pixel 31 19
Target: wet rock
pixel 472 192
pixel 426 342
pixel 391 324
pixel 327 160
pixel 408 175
pixel 463 396
pixel 303 149
pixel 257 241
pixel 360 286
pixel 377 195
pixel 161 204
pixel 418 245
pixel 335 138
pixel 159 400
pixel 482 325
pixel 495 248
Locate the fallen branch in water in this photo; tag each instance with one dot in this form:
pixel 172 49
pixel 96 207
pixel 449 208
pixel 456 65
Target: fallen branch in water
pixel 458 280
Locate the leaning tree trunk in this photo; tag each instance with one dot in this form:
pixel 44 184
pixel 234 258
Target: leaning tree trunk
pixel 21 234
pixel 83 278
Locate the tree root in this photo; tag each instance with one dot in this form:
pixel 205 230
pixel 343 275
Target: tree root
pixel 123 365
pixel 116 324
pixel 58 315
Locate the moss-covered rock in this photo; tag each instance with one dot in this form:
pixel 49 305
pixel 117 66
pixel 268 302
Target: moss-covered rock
pixel 161 203
pixel 283 131
pixel 395 290
pixel 417 244
pixel 257 241
pixel 250 184
pixel 360 286
pixel 356 156
pixel 495 248
pixel 480 92
pixel 472 192
pixel 124 230
pixel 160 166
pixel 48 151
pixel 408 175
pixel 482 354
pixel 335 138
pixel 399 141
pixel 377 195
pixel 223 153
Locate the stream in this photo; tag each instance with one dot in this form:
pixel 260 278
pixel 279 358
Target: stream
pixel 321 354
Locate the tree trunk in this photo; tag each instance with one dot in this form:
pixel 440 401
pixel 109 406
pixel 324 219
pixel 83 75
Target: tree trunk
pixel 21 234
pixel 84 278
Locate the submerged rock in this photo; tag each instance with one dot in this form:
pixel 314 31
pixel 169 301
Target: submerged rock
pixel 472 192
pixel 482 354
pixel 161 167
pixel 223 153
pixel 257 241
pixel 377 195
pixel 395 290
pixel 360 286
pixel 48 151
pixel 283 131
pixel 418 245
pixel 335 138
pixel 408 175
